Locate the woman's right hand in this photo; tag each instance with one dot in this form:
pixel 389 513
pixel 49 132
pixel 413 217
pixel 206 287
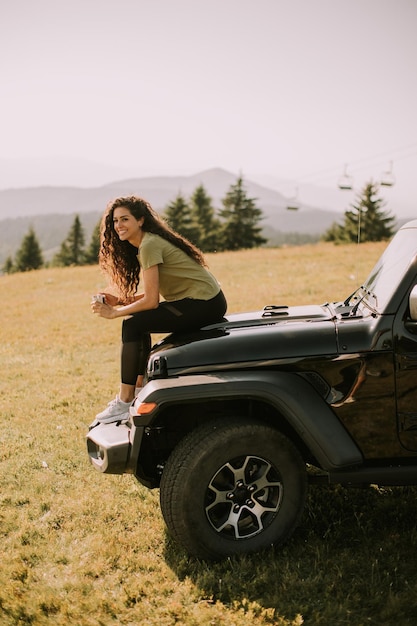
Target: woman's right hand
pixel 111 299
pixel 114 300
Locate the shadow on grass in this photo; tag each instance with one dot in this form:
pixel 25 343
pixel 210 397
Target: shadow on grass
pixel 351 562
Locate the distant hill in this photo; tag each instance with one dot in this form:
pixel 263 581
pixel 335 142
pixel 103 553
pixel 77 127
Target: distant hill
pixel 159 190
pixel 51 210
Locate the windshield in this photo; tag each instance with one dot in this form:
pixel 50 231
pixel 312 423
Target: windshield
pixel 387 274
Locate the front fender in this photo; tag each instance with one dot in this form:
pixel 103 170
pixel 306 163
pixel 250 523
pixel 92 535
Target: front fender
pixel 293 396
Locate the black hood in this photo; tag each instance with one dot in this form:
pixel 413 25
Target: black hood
pixel 250 340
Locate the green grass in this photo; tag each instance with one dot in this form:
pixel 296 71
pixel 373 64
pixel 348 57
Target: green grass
pixel 87 549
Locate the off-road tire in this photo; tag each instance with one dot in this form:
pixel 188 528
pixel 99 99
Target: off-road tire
pixel 232 487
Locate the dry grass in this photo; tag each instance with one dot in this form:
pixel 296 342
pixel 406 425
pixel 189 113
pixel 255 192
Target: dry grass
pixel 85 549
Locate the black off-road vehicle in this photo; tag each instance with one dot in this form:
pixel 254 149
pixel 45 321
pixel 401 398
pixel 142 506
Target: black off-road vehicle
pixel 237 418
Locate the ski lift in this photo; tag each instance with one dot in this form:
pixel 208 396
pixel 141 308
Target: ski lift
pixel 345 181
pixel 388 178
pixel 294 204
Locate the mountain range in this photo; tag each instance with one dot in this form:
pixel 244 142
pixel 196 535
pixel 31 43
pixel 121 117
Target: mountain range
pixel 50 210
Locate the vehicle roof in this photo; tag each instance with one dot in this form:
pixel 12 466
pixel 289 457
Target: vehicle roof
pixel 412 224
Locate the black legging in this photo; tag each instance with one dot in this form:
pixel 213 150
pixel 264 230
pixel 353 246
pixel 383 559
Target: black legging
pixel 187 314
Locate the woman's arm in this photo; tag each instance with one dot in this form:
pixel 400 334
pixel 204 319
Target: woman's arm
pixel 148 300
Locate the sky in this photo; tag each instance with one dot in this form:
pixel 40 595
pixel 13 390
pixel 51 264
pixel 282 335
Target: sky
pixel 278 89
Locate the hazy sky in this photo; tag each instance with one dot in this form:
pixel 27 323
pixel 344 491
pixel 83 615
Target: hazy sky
pixel 286 88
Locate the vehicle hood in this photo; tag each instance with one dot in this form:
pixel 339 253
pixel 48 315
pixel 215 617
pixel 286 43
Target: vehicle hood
pixel 251 339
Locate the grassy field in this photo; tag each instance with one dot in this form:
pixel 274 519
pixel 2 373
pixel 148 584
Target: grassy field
pixel 86 549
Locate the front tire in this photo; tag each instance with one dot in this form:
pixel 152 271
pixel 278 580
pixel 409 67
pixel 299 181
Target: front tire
pixel 232 487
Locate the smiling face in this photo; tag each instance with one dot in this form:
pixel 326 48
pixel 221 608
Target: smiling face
pixel 127 227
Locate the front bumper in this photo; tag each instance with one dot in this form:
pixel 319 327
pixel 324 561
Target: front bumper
pixel 108 447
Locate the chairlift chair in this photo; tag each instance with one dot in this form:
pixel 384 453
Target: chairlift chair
pixel 345 181
pixel 388 178
pixel 294 204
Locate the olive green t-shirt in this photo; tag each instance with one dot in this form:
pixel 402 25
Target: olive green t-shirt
pixel 179 275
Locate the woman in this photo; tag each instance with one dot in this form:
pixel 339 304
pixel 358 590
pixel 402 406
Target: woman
pixel 135 239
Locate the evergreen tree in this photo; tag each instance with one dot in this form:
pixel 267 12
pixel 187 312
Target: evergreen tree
pixel 178 216
pixel 29 256
pixel 241 217
pixel 72 248
pixel 366 221
pixel 8 266
pixel 91 255
pixel 207 227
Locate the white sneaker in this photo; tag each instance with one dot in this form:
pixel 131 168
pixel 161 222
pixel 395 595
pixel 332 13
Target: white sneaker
pixel 116 411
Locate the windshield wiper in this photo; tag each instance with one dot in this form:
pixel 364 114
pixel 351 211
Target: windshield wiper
pixel 363 299
pixel 346 308
pixel 355 308
pixel 352 295
pixel 361 294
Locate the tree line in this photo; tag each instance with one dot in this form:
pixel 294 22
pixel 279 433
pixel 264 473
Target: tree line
pixel 234 227
pixel 72 251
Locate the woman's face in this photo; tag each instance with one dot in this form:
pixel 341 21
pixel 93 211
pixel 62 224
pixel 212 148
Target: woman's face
pixel 127 227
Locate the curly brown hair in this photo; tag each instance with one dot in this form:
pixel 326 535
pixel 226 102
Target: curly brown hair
pixel 118 259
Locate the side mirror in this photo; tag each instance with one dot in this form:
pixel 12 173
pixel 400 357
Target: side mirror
pixel 413 303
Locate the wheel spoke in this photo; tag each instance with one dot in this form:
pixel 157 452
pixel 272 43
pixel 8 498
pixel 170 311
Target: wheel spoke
pixel 263 482
pixel 231 522
pixel 220 497
pixel 237 472
pixel 260 509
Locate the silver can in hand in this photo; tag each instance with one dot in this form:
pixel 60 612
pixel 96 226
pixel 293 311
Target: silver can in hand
pixel 98 297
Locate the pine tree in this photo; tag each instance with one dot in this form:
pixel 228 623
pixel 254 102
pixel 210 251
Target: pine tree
pixel 91 254
pixel 207 227
pixel 366 221
pixel 241 217
pixel 178 216
pixel 29 255
pixel 72 248
pixel 8 267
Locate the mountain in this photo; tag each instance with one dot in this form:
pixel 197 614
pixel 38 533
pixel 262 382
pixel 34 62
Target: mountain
pixel 158 190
